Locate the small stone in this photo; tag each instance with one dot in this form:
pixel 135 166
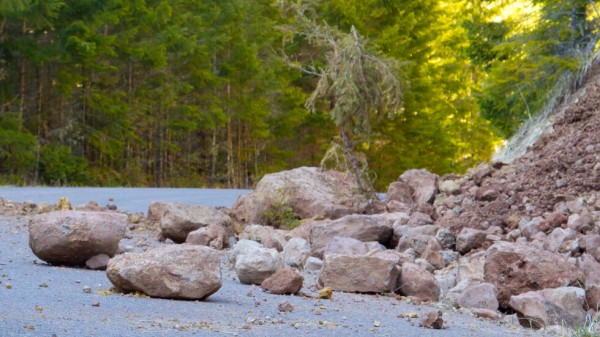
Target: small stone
pixel 285 307
pixel 432 320
pixel 376 324
pixel 96 304
pixel 87 289
pixel 326 293
pixel 8 286
pixel 43 285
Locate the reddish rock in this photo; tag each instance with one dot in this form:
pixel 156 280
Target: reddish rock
pixel 487 194
pixel 400 191
pixel 73 237
pixel 479 296
pixel 433 254
pixel 469 239
pixel 424 184
pixel 417 282
pixel 214 236
pixel 172 271
pixel 285 306
pixel 592 298
pixel 559 306
pixel 284 281
pixel 517 268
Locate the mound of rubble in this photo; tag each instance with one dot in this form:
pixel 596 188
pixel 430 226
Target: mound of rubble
pixel 521 237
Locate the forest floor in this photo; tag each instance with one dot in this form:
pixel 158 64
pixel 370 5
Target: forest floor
pixel 37 299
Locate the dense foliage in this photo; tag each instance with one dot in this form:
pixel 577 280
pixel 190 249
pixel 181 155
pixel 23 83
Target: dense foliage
pixel 212 93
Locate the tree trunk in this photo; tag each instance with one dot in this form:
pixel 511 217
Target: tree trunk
pixel 362 183
pixel 214 152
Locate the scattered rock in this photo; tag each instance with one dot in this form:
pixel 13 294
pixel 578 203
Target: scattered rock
pixel 366 274
pixel 64 204
pixel 98 262
pixel 313 264
pixel 73 237
pixel 172 271
pixel 285 306
pixel 515 268
pixel 326 293
pixel 469 239
pixel 417 282
pixel 214 236
pixel 178 220
pixel 538 309
pixel 479 296
pixel 257 265
pixel 423 183
pixel 364 228
pixel 284 282
pixel 432 320
pixel 295 253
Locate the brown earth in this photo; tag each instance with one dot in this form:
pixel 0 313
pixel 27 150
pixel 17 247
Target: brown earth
pixel 562 166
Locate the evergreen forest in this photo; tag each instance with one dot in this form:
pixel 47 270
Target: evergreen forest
pixel 218 93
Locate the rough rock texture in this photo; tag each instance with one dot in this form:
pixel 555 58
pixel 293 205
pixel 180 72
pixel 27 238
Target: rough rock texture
pixel 285 281
pixel 360 227
pixel 309 191
pixel 517 268
pixel 178 220
pixel 366 274
pixel 73 237
pixel 479 296
pixel 417 282
pixel 172 271
pixel 423 183
pixel 469 239
pixel 214 236
pixel 560 306
pixel 349 246
pixel 267 235
pixel 257 264
pixel 295 253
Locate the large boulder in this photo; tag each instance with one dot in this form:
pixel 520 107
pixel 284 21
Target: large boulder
pixel 178 220
pixel 560 306
pixel 417 282
pixel 73 237
pixel 365 274
pixel 173 271
pixel 256 264
pixel 423 183
pixel 517 268
pixel 308 191
pixel 364 228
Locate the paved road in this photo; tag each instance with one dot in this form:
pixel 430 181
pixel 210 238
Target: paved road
pixel 128 199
